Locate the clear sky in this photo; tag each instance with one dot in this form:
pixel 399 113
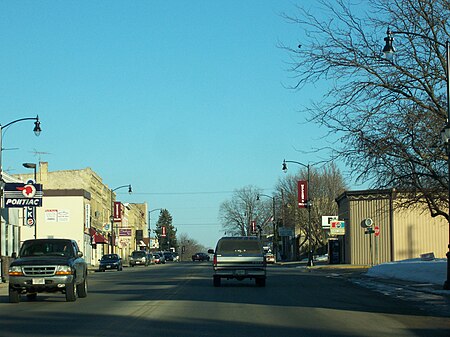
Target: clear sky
pixel 185 100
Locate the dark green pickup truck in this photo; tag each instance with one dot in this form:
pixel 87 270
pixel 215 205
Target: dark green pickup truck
pixel 48 265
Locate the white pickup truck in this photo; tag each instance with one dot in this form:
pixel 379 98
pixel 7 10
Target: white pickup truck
pixel 239 257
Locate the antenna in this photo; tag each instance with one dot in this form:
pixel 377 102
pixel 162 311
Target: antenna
pixel 38 153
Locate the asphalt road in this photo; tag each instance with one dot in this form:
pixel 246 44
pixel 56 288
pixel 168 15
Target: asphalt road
pixel 178 299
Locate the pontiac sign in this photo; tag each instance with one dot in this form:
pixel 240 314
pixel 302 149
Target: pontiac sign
pixel 23 195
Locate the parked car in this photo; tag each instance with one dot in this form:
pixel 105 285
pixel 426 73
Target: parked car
pixel 270 258
pixel 138 257
pixel 159 258
pixel 110 261
pixel 48 265
pixel 168 256
pixel 176 257
pixel 200 257
pixel 151 258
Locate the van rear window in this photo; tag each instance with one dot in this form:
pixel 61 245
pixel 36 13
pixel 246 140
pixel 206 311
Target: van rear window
pixel 238 246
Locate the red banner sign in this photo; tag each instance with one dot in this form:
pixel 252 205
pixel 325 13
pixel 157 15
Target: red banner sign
pixel 253 223
pixel 117 211
pixel 163 231
pixel 302 194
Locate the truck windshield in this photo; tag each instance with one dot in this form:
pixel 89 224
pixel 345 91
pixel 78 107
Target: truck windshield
pixel 42 248
pixel 138 254
pixel 238 246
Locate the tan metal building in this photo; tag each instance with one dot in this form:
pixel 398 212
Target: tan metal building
pixel 404 233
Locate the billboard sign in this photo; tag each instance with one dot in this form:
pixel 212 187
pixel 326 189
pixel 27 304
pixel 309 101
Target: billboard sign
pixel 23 195
pixel 327 219
pixel 337 228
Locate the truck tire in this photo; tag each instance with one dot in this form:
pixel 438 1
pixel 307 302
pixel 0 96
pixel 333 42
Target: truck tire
pixel 260 282
pixel 216 281
pixel 71 292
pixel 82 288
pixel 14 296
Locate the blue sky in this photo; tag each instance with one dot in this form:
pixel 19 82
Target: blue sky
pixel 185 100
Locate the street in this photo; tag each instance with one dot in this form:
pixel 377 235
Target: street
pixel 178 299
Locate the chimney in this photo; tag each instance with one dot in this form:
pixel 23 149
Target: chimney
pixel 43 172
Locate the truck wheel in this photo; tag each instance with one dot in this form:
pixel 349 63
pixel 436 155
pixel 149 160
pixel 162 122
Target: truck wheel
pixel 14 296
pixel 260 282
pixel 71 292
pixel 216 281
pixel 82 288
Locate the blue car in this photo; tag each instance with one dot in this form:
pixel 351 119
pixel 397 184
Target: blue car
pixel 110 261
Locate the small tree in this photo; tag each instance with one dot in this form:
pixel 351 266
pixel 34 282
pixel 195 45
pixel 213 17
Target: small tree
pixel 237 214
pixel 188 247
pixel 170 238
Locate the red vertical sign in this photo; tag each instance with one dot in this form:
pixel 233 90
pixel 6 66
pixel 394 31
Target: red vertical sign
pixel 117 211
pixel 302 193
pixel 253 226
pixel 163 231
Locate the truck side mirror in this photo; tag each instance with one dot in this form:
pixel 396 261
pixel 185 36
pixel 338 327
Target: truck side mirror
pixel 210 251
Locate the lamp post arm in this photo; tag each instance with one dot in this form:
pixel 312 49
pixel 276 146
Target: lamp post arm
pixel 296 162
pixel 19 120
pixel 115 189
pixel 418 35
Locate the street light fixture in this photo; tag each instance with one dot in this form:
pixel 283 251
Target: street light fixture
pixel 111 218
pixel 388 50
pixel 275 234
pixel 308 205
pixel 37 131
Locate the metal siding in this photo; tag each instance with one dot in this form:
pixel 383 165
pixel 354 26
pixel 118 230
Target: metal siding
pixel 416 232
pixel 378 211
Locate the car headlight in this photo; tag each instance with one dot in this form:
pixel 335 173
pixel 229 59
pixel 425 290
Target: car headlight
pixel 15 271
pixel 63 270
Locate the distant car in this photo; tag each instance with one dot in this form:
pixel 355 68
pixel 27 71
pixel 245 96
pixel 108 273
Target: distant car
pixel 110 261
pixel 176 257
pixel 138 257
pixel 159 258
pixel 270 258
pixel 151 258
pixel 200 257
pixel 168 256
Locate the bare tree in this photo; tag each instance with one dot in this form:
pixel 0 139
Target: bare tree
pixel 237 214
pixel 387 113
pixel 326 184
pixel 188 247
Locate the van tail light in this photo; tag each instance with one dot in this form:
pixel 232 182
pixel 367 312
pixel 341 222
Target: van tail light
pixel 215 260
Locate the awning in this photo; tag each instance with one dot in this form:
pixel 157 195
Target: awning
pixel 97 237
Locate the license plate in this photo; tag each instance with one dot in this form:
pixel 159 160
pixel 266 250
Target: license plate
pixel 240 272
pixel 108 266
pixel 38 281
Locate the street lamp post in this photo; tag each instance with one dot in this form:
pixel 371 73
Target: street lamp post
pixel 33 167
pixel 37 131
pixel 308 205
pixel 275 236
pixel 149 228
pixel 113 232
pixel 389 50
